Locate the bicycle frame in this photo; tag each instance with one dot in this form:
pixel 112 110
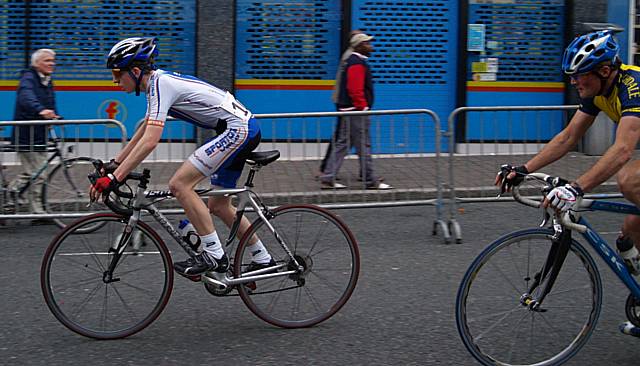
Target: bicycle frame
pixel 608 254
pixel 560 248
pixel 143 201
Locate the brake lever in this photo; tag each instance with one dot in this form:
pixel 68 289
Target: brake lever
pixel 545 217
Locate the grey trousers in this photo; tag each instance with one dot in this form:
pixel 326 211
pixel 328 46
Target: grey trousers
pixel 353 132
pixel 31 162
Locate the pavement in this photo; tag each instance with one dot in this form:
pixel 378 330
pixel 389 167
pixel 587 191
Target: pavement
pixel 415 178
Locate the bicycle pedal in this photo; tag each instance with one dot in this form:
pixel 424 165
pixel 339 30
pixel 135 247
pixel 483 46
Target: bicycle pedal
pixel 251 286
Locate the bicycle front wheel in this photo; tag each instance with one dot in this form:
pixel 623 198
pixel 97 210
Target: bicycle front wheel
pixel 495 324
pixel 66 190
pixel 80 294
pixel 326 250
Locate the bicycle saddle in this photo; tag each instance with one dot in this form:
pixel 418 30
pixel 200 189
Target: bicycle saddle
pixel 263 157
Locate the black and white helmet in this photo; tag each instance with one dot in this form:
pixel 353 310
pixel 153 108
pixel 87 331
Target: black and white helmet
pixel 133 52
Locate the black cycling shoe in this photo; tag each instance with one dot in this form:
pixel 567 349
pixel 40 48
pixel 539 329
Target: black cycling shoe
pixel 202 263
pixel 253 266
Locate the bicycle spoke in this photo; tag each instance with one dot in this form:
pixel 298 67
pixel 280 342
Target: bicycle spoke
pixel 314 302
pixel 499 321
pixel 332 286
pixel 130 311
pixel 92 254
pixel 491 315
pixel 89 296
pixel 71 259
pixel 86 281
pixel 321 231
pixel 504 276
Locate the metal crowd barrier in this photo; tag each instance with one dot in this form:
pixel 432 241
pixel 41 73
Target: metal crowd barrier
pixel 406 153
pixel 54 190
pixel 505 135
pixel 406 148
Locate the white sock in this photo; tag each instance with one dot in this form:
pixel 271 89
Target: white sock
pixel 259 253
pixel 211 244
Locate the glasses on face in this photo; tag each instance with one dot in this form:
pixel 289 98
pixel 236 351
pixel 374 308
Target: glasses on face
pixel 577 77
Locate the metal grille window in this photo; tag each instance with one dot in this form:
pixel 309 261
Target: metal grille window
pixel 526 36
pixel 287 40
pixel 82 32
pixel 411 42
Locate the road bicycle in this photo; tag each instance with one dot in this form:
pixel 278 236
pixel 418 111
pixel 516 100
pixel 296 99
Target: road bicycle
pixel 107 293
pixel 64 188
pixel 533 296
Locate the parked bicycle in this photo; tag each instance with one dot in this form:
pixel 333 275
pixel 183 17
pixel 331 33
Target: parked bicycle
pixel 533 296
pixel 106 293
pixel 64 188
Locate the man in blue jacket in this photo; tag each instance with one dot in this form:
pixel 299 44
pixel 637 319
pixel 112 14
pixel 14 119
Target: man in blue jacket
pixel 34 101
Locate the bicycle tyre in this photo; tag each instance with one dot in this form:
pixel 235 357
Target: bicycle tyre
pixel 79 297
pixel 66 185
pixel 317 238
pixel 505 347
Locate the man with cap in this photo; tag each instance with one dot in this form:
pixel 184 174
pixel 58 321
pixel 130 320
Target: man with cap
pixel 355 93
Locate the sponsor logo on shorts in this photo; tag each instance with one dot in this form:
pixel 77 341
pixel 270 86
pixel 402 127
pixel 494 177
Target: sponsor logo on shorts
pixel 229 139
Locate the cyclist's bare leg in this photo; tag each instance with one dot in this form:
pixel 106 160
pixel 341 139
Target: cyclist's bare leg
pixel 629 184
pixel 182 186
pixel 221 207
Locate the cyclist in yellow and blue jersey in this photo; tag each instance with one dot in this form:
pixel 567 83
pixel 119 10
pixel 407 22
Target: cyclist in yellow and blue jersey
pixel 621 99
pixel 604 84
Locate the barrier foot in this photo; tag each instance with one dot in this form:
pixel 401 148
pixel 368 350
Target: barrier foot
pixel 445 230
pixel 454 227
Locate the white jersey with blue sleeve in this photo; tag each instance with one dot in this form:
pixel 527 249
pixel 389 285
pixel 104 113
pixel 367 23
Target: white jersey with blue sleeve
pixel 192 100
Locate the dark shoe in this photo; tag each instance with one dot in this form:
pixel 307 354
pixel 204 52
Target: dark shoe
pixel 630 329
pixel 202 263
pixel 253 266
pixel 332 185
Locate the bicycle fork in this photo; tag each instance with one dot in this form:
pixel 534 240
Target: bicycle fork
pixel 545 278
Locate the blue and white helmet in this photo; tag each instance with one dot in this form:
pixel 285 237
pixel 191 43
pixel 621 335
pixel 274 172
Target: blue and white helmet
pixel 133 52
pixel 588 51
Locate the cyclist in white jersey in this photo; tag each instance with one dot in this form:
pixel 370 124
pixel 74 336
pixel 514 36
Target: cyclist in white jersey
pixel 222 158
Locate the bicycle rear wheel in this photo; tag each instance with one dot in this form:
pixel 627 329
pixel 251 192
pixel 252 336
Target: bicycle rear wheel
pixel 66 190
pixel 74 288
pixel 495 325
pixel 323 245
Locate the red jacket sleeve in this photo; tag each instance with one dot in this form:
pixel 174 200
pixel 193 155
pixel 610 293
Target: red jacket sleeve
pixel 355 86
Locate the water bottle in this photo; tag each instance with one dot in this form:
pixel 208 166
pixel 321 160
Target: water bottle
pixel 629 253
pixel 189 234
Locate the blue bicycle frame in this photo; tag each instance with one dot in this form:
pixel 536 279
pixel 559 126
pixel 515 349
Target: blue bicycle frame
pixel 609 255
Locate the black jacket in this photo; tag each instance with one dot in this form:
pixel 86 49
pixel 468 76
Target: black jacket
pixel 32 97
pixel 344 99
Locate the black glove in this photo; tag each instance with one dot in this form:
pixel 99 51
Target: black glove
pixel 508 183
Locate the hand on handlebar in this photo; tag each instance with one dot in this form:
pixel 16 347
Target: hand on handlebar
pixel 510 176
pixel 563 198
pixel 103 185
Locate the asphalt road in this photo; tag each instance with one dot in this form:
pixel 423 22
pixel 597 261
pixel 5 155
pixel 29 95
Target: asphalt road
pixel 402 312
